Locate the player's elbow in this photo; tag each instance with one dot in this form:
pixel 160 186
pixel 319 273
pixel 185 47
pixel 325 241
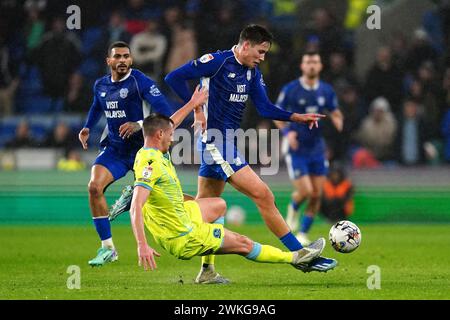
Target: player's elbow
pixel 170 79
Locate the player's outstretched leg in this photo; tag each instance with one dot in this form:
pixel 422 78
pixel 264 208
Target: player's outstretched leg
pixel 122 204
pixel 306 259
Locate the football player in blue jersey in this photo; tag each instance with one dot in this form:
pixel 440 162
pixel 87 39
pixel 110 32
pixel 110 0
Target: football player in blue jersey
pixel 231 77
pixel 125 97
pixel 305 159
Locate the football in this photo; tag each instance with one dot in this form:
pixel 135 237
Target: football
pixel 345 236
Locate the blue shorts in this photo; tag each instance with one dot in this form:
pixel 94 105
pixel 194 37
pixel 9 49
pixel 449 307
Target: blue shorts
pixel 301 165
pixel 219 163
pixel 117 163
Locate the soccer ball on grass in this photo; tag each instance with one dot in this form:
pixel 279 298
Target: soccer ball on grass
pixel 345 236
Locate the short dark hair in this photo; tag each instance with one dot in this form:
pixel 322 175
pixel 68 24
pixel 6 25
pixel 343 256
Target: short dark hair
pixel 117 44
pixel 256 34
pixel 310 53
pixel 154 122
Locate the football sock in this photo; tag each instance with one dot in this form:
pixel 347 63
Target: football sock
pixel 208 261
pixel 306 223
pixel 297 205
pixel 103 227
pixel 291 242
pixel 269 254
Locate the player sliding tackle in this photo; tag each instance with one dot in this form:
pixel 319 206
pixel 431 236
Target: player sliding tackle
pixel 232 76
pixel 191 228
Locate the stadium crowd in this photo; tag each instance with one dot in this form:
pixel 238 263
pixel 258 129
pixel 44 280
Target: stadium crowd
pixel 397 113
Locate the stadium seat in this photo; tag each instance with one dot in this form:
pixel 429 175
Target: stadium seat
pixel 89 38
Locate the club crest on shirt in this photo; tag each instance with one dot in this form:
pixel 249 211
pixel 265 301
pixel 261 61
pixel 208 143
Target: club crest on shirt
pixel 123 93
pixel 321 101
pixel 147 172
pixel 249 74
pixel 206 57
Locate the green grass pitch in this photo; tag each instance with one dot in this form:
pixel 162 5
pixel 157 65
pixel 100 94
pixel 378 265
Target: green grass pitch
pixel 413 259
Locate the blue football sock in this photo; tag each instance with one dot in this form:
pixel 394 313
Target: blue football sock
pixel 291 242
pixel 103 227
pixel 306 223
pixel 295 205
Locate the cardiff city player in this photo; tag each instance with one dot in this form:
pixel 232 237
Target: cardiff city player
pixel 188 228
pixel 125 96
pixel 232 76
pixel 305 159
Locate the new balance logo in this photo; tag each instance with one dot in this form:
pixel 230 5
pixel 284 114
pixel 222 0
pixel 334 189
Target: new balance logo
pixel 232 75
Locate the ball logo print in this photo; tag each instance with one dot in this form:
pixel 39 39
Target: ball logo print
pixel 345 236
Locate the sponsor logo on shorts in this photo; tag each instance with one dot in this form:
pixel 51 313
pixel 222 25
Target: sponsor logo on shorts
pixel 217 233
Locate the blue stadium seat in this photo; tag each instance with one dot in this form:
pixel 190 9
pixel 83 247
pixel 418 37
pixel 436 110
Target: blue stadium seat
pixel 90 68
pixel 89 38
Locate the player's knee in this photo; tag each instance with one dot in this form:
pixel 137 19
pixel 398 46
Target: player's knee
pixel 221 206
pixel 315 195
pixel 94 188
pixel 307 192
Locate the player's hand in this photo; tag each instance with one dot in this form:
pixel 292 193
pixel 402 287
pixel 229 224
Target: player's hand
pixel 128 128
pixel 199 97
pixel 292 140
pixel 83 136
pixel 312 119
pixel 146 256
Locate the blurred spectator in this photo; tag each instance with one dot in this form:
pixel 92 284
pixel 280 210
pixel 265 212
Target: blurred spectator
pixel 138 13
pixel 412 134
pixel 34 25
pixel 209 34
pixel 436 23
pixel 71 162
pixel 444 95
pixel 430 95
pixel 420 51
pixel 338 72
pixel 385 79
pixel 337 197
pixel 353 110
pixel 226 25
pixel 182 43
pixel 445 129
pixel 378 130
pixel 148 48
pixel 325 29
pixel 399 47
pixel 57 57
pixel 61 137
pixel 23 137
pixel 9 80
pixel 114 31
pixel 78 98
